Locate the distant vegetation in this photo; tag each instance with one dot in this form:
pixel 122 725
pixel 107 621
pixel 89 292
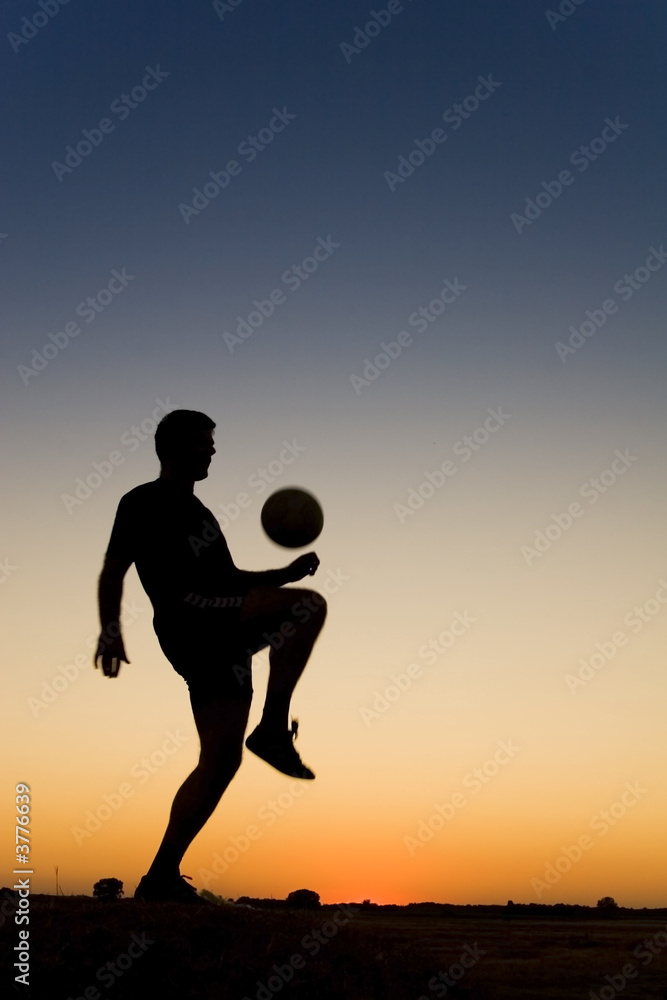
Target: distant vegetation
pixel 108 890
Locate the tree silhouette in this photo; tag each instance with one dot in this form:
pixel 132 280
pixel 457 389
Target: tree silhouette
pixel 303 899
pixel 108 889
pixel 607 903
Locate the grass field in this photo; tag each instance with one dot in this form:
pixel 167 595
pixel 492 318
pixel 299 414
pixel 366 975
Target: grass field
pixel 81 947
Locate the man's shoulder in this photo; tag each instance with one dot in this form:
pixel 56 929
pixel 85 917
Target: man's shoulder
pixel 148 497
pixel 142 493
pixel 160 495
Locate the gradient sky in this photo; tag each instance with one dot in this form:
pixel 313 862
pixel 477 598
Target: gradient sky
pixel 396 710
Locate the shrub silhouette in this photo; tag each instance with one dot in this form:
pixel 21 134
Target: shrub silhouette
pixel 303 899
pixel 607 903
pixel 108 889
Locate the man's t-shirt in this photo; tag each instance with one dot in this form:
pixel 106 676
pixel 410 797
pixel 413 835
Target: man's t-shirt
pixel 181 555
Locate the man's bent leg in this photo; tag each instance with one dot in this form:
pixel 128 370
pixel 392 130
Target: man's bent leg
pixel 288 620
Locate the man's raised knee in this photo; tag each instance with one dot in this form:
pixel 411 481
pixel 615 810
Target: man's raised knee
pixel 319 601
pixel 310 603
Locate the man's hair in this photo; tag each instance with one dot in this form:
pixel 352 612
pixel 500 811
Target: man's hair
pixel 177 429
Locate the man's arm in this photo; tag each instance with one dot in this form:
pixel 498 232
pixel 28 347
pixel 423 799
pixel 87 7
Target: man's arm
pixel 268 578
pixel 304 565
pixel 110 648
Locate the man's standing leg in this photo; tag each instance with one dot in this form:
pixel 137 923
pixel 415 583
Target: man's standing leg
pixel 221 725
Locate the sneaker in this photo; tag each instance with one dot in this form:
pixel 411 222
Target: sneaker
pixel 172 890
pixel 278 750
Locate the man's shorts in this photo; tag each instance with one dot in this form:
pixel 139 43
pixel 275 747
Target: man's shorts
pixel 207 648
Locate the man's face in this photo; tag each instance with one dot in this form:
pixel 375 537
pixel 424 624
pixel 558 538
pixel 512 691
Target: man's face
pixel 203 452
pixel 194 456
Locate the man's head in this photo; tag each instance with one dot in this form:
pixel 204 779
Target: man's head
pixel 184 444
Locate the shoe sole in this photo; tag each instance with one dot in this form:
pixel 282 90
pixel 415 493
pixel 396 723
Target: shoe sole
pixel 263 752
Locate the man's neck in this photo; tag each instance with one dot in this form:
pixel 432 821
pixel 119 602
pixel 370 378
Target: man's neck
pixel 170 476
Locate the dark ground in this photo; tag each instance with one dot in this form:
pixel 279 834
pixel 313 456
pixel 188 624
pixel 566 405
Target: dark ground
pixel 342 952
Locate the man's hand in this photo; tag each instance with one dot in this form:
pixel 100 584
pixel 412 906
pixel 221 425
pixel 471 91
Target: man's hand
pixel 303 566
pixel 112 653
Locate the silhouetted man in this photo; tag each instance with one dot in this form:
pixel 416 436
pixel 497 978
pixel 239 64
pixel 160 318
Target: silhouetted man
pixel 209 617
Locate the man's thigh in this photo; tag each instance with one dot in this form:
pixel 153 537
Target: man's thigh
pixel 211 657
pixel 267 610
